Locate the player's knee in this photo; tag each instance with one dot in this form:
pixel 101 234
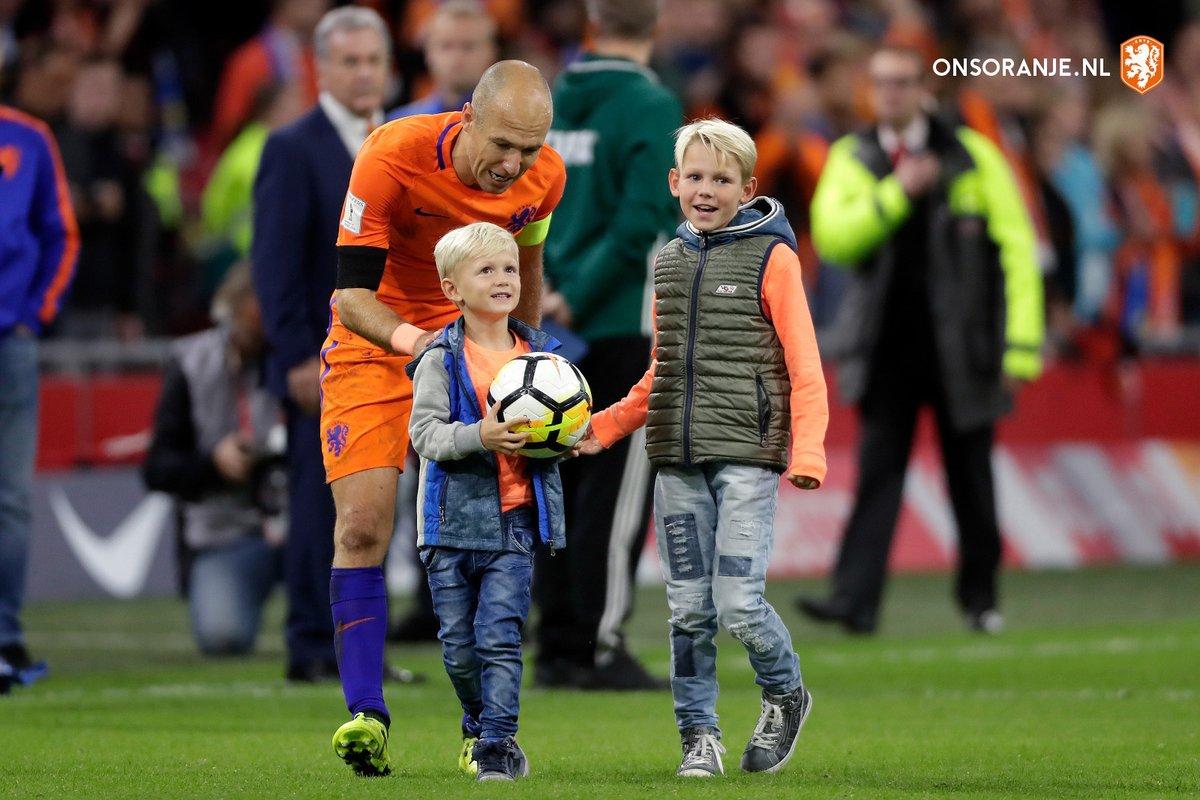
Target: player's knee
pixel 361 530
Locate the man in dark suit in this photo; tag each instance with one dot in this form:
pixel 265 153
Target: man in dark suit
pixel 298 195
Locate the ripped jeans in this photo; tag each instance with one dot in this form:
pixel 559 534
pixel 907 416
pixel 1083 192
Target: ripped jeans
pixel 715 528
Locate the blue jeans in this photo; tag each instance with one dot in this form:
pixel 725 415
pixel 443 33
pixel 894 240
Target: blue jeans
pixel 715 529
pixel 227 587
pixel 481 598
pixel 18 447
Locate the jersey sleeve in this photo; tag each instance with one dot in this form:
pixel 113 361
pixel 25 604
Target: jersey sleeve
pixel 377 184
pixel 554 194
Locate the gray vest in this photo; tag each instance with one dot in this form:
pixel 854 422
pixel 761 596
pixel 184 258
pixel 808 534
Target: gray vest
pixel 721 390
pixel 218 398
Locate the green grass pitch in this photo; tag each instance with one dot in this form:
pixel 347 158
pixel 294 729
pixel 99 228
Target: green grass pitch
pixel 1094 692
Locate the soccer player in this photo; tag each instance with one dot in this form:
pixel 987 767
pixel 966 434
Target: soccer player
pixel 734 397
pixel 414 180
pixel 480 564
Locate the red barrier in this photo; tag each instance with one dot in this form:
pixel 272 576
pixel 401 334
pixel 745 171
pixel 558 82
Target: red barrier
pixel 106 419
pixel 90 420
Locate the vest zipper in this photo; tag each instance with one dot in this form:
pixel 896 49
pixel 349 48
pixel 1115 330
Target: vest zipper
pixel 764 409
pixel 688 389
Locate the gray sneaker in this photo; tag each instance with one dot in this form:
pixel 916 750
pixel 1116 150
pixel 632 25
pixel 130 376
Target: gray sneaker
pixel 502 760
pixel 702 751
pixel 778 730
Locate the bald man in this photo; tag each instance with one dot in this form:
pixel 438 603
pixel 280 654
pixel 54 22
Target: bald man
pixel 414 180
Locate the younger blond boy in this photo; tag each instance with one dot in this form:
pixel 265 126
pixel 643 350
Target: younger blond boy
pixel 480 563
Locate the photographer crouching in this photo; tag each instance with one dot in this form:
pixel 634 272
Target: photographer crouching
pixel 218 447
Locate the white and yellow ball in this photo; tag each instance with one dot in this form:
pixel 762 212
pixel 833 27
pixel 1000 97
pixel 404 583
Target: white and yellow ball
pixel 552 393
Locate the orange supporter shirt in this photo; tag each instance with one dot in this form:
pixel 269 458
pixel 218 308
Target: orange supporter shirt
pixel 404 195
pixel 787 309
pixel 516 489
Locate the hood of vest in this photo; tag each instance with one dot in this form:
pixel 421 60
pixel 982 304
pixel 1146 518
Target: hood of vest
pixel 762 216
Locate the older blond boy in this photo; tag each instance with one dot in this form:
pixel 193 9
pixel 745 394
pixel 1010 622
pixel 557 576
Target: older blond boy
pixel 734 397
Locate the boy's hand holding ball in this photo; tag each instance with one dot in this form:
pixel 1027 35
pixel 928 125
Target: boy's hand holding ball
pixel 803 482
pixel 589 445
pixel 500 437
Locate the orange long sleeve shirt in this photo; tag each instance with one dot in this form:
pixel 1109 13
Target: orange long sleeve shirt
pixel 786 307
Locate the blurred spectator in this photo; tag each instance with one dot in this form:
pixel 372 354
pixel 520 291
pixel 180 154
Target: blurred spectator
pixel 217 447
pixel 226 206
pixel 298 196
pixel 1145 298
pixel 509 16
pixel 115 216
pixel 459 44
pixel 39 243
pixel 944 309
pixel 8 43
pixel 613 127
pixel 282 53
pixel 1073 169
pixel 1060 269
pixel 45 81
pixel 691 37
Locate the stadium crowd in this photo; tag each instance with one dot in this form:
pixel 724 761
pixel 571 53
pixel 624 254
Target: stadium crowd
pixel 161 108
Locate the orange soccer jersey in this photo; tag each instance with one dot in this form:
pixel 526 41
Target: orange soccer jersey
pixel 404 195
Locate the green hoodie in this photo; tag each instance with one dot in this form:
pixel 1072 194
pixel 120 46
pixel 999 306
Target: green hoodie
pixel 613 126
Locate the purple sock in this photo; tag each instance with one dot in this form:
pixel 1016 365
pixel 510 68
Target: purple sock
pixel 358 599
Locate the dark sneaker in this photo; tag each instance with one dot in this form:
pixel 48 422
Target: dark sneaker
pixel 316 670
pixel 394 674
pixel 989 621
pixel 559 673
pixel 21 668
pixel 828 611
pixel 702 751
pixel 501 760
pixel 778 730
pixel 620 671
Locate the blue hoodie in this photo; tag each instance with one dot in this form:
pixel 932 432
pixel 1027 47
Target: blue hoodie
pixel 39 239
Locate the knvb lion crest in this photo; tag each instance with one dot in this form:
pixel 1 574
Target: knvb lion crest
pixel 1142 63
pixel 520 219
pixel 335 438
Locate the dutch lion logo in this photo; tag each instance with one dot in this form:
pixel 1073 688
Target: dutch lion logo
pixel 1142 63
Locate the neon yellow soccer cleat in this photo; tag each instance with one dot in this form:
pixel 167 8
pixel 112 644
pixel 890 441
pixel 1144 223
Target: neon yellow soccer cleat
pixel 466 757
pixel 363 744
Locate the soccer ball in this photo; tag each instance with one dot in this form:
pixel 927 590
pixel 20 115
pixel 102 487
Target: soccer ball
pixel 552 393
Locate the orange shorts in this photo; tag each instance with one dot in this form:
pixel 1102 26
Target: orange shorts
pixel 366 401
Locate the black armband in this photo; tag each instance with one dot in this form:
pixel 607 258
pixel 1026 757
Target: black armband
pixel 360 267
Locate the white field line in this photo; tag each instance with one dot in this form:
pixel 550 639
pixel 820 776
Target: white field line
pixel 254 689
pixel 173 642
pixel 981 652
pixel 279 690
